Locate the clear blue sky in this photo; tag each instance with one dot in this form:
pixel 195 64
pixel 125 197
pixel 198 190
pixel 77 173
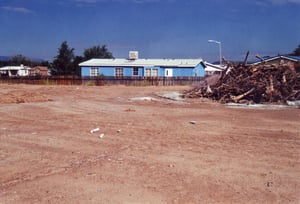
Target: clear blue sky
pixel 155 28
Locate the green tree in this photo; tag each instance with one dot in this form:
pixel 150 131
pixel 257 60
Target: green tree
pixel 45 63
pixel 296 51
pixel 76 62
pixel 63 62
pixel 17 60
pixel 97 52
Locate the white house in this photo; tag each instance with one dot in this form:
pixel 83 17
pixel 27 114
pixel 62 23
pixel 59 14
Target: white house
pixel 211 69
pixel 15 70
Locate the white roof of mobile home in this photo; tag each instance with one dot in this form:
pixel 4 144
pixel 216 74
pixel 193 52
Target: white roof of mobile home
pixel 212 67
pixel 13 68
pixel 141 62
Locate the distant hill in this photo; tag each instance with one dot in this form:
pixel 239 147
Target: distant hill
pixel 37 60
pixel 7 58
pixel 4 58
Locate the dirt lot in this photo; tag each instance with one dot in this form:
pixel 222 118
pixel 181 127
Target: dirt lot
pixel 150 152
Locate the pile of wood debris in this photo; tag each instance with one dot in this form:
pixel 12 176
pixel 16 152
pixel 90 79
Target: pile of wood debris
pixel 242 83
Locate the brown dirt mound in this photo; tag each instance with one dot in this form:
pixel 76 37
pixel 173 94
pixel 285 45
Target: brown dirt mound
pixel 22 96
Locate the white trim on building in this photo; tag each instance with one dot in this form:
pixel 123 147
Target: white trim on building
pixel 15 70
pixel 141 62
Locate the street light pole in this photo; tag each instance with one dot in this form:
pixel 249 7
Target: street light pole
pixel 220 49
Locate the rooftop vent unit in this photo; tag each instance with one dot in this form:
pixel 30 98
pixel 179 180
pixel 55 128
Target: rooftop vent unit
pixel 133 55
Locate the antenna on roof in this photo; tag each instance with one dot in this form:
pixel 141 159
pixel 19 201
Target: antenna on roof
pixel 133 55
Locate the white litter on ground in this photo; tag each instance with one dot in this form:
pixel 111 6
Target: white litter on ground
pixel 172 96
pixel 144 98
pixel 293 103
pixel 257 106
pixel 95 130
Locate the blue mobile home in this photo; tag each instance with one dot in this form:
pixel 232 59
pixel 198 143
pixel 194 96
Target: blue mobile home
pixel 143 67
